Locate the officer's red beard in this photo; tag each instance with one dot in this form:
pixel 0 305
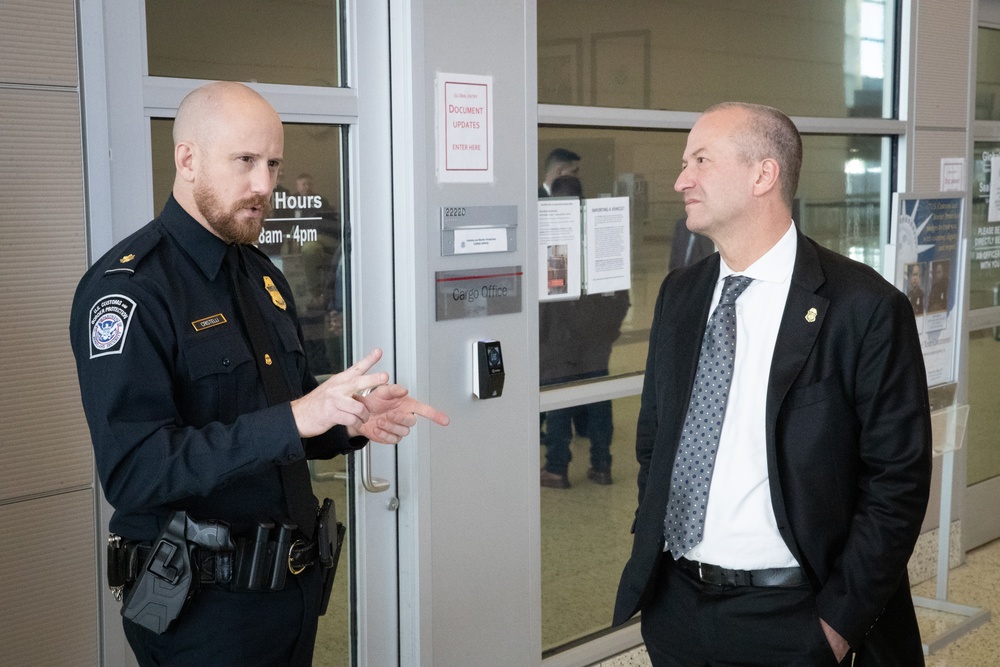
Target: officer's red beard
pixel 226 223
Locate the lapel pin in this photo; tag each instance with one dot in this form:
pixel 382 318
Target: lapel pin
pixel 811 315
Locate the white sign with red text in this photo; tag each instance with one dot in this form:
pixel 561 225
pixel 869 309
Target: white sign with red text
pixel 465 128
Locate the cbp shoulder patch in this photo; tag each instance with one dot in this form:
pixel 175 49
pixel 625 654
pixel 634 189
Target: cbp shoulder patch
pixel 110 318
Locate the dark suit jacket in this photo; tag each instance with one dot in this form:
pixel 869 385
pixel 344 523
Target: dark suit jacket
pixel 848 440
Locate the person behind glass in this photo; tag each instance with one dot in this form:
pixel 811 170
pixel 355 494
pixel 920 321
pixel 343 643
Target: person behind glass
pixel 182 406
pixel 560 162
pixel 791 547
pixel 940 285
pixel 575 339
pixel 915 289
pixel 310 202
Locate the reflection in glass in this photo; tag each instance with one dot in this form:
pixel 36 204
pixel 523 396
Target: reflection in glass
pixel 842 192
pixel 585 536
pixel 984 270
pixel 988 74
pixel 829 59
pixel 983 431
pixel 256 41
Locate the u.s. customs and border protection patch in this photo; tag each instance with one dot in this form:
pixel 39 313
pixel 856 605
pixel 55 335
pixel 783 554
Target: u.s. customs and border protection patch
pixel 110 317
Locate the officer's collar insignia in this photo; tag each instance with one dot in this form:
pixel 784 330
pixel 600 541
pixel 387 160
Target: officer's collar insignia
pixel 209 322
pixel 126 259
pixel 275 294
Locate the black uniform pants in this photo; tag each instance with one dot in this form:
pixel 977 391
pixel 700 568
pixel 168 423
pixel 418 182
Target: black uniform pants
pixel 690 623
pixel 223 629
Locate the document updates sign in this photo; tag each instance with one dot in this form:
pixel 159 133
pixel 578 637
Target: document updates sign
pixel 464 128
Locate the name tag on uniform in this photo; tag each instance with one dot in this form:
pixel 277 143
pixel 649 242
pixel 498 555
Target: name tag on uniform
pixel 209 322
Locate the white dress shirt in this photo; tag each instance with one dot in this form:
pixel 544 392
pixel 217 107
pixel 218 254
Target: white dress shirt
pixel 740 529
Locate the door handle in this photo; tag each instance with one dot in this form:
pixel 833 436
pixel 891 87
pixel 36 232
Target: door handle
pixel 371 484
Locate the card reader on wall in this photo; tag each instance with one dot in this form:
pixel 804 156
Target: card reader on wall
pixel 487 369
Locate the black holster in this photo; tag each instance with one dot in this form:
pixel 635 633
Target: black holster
pixel 162 585
pixel 330 538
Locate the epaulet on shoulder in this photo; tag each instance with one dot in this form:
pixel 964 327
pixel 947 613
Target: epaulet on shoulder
pixel 133 252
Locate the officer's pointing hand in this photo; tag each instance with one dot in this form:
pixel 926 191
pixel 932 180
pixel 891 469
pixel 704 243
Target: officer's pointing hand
pixel 335 401
pixel 392 413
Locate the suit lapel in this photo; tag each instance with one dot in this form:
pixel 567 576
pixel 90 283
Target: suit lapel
pixel 805 312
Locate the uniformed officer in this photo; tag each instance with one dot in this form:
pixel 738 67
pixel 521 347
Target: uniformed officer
pixel 180 411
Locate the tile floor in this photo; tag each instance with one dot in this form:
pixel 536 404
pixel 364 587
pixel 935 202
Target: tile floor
pixel 976 583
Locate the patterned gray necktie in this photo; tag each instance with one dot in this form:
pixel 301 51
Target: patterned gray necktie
pixel 695 460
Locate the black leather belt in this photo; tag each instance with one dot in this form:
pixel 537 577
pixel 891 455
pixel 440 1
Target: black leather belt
pixel 720 576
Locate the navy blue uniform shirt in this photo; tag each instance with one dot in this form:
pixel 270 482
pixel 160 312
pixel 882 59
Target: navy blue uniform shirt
pixel 175 404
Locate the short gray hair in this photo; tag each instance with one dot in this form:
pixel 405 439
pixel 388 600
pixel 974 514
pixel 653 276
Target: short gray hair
pixel 769 133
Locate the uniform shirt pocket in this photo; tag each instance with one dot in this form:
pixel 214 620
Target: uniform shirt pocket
pixel 218 368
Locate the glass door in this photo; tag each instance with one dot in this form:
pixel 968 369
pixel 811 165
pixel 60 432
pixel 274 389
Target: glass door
pixel 327 232
pixel 982 525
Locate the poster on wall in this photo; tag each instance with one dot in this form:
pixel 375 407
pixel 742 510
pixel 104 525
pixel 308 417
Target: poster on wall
pixel 464 122
pixel 923 261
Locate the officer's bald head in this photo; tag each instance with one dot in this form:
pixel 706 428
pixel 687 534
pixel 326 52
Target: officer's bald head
pixel 228 149
pixel 210 107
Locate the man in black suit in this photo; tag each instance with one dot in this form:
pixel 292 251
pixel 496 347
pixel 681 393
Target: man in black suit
pixel 940 286
pixel 821 481
pixel 915 289
pixel 560 162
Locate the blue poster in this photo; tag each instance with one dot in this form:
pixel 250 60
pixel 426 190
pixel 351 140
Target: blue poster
pixel 927 237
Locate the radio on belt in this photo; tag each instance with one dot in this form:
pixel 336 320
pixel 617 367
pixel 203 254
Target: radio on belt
pixel 487 369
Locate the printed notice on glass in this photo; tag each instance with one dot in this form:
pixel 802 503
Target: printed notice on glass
pixel 464 128
pixel 559 232
pixel 606 242
pixel 993 213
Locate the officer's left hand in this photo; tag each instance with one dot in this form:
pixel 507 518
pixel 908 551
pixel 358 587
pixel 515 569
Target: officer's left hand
pixel 392 412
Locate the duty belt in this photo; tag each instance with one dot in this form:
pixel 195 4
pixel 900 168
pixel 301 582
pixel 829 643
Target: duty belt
pixel 258 562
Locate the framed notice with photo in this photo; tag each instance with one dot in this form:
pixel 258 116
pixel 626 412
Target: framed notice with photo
pixel 923 260
pixel 560 71
pixel 619 69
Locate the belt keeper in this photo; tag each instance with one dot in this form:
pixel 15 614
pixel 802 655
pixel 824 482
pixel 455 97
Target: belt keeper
pixel 291 567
